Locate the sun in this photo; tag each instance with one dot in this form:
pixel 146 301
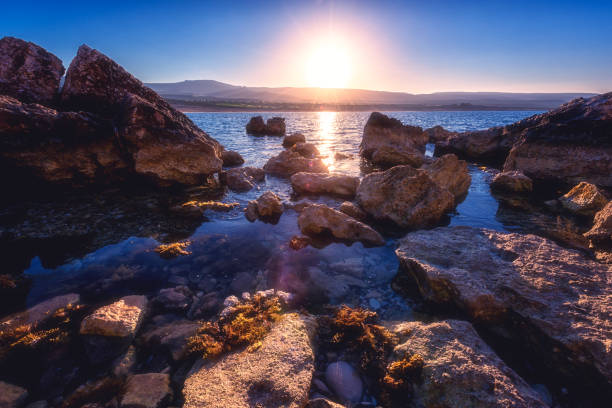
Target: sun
pixel 329 65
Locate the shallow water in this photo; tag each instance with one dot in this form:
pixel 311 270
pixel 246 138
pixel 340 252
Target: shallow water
pixel 231 255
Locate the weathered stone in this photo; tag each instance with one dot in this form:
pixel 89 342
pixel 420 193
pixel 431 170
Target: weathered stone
pixel 460 370
pixel 450 173
pixel 391 156
pixel 488 146
pixel 242 178
pixel 28 72
pixel 353 210
pixel 274 126
pixel 292 139
pixel 231 158
pixel 438 134
pixel 319 183
pixel 267 207
pixel 256 126
pixel 318 219
pixel 124 365
pixel 12 396
pixel 174 299
pixel 345 381
pixel 38 314
pixel 289 162
pixel 196 209
pixel 278 374
pixel 307 150
pixel 584 199
pixel 512 181
pixel 601 232
pixel 119 319
pixel 172 337
pixel 146 391
pixel 404 195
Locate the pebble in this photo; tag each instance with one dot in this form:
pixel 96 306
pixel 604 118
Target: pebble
pixel 344 380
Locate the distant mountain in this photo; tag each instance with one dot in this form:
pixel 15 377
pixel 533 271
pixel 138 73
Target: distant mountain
pixel 209 90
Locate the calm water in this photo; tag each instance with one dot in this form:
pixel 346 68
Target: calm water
pixel 231 255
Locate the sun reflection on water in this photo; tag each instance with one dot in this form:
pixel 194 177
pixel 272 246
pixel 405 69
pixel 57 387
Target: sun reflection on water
pixel 327 124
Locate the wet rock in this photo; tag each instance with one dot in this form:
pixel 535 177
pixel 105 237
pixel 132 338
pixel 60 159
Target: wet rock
pixel 318 219
pixel 196 209
pixel 601 232
pixel 204 305
pixel 529 285
pixel 174 299
pixel 341 156
pixel 256 126
pixel 299 242
pixel 289 162
pixel 37 315
pixel 405 196
pixel 267 207
pixel 584 199
pixel 147 391
pixel 12 396
pixel 438 134
pixel 124 365
pixel 231 158
pixel 171 336
pixel 388 156
pixel 307 150
pixel 279 373
pixel 319 183
pixel 28 72
pixel 488 146
pixel 292 139
pixel 512 181
pixel 450 173
pixel 274 126
pixel 243 178
pixel 344 380
pixel 353 210
pixel 460 370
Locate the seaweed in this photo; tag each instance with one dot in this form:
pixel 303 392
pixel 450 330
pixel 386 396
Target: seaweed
pixel 173 250
pixel 397 384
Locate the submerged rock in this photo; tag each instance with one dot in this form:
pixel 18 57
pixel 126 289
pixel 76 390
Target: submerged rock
pixel 459 369
pixel 243 178
pixel 450 173
pixel 344 381
pixel 512 181
pixel 317 219
pixel 12 396
pixel 584 199
pixel 146 391
pixel 268 207
pixel 231 158
pixel 293 139
pixel 289 162
pixel 37 315
pixel 274 126
pixel 278 374
pixel 601 232
pixel 319 183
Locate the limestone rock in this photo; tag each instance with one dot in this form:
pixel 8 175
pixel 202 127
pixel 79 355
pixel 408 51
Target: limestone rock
pixel 352 210
pixel 293 139
pixel 584 199
pixel 274 126
pixel 319 183
pixel 119 319
pixel 267 207
pixel 307 150
pixel 388 156
pixel 438 134
pixel 450 173
pixel 289 162
pixel 146 391
pixel 37 315
pixel 231 158
pixel 242 179
pixel 12 396
pixel 601 232
pixel 512 181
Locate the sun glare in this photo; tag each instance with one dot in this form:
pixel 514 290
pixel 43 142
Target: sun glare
pixel 329 65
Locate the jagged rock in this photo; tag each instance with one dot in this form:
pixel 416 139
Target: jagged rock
pixel 317 219
pixel 460 370
pixel 404 195
pixel 231 158
pixel 38 314
pixel 243 178
pixel 489 146
pixel 267 207
pixel 274 126
pixel 353 210
pixel 307 150
pixel 28 72
pixel 557 298
pixel 512 181
pixel 345 381
pixel 601 232
pixel 438 134
pixel 319 183
pixel 146 391
pixel 278 374
pixel 450 173
pixel 289 162
pixel 584 199
pixel 293 139
pixel 12 396
pixel 256 126
pixel 398 143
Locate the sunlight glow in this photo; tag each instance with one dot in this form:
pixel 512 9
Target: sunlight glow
pixel 326 127
pixel 329 64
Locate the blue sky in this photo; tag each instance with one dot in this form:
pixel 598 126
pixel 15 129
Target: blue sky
pixel 413 46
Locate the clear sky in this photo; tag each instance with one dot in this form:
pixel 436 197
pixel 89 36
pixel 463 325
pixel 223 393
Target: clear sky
pixel 412 46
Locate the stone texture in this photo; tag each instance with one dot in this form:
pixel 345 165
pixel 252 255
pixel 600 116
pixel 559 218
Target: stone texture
pixel 438 134
pixel 289 162
pixel 242 179
pixel 317 219
pixel 601 232
pixel 388 156
pixel 512 181
pixel 28 72
pixel 146 391
pixel 278 374
pixel 38 314
pixel 307 150
pixel 267 207
pixel 405 196
pixel 584 199
pixel 292 139
pixel 460 370
pixel 319 183
pixel 353 210
pixel 450 173
pixel 119 319
pixel 12 396
pixel 274 126
pixel 231 158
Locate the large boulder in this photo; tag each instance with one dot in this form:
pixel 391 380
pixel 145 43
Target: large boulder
pixel 438 134
pixel 512 181
pixel 320 183
pixel 317 219
pixel 459 369
pixel 267 207
pixel 242 178
pixel 584 199
pixel 307 150
pixel 488 146
pixel 292 139
pixel 277 374
pixel 388 156
pixel 274 126
pixel 289 162
pixel 601 232
pixel 28 72
pixel 405 196
pixel 555 302
pixel 231 158
pixel 450 173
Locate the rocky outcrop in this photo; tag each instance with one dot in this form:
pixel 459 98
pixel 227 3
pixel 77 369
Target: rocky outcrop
pixel 512 181
pixel 488 146
pixel 557 298
pixel 231 158
pixel 450 173
pixel 320 183
pixel 278 374
pixel 243 178
pixel 307 150
pixel 146 391
pixel 292 139
pixel 274 126
pixel 317 219
pixel 12 396
pixel 28 72
pixel 268 207
pixel 584 199
pixel 438 134
pixel 386 141
pixel 601 232
pixel 289 162
pixel 459 369
pixel 405 196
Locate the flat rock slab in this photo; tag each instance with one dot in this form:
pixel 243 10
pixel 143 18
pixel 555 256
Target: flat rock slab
pixel 146 391
pixel 278 374
pixel 12 396
pixel 119 319
pixel 39 313
pixel 460 370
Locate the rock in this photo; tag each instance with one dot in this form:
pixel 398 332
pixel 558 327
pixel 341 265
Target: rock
pixel 124 365
pixel 486 146
pixel 11 396
pixel 450 173
pixel 231 158
pixel 256 126
pixel 460 370
pixel 307 150
pixel 438 134
pixel 119 319
pixel 404 195
pixel 531 286
pixel 569 144
pixel 318 219
pixel 584 199
pixel 146 391
pixel 292 139
pixel 196 209
pixel 28 72
pixel 172 337
pixel 267 207
pixel 601 232
pixel 174 299
pixel 289 162
pixel 319 183
pixel 341 156
pixel 37 315
pixel 278 374
pixel 243 178
pixel 274 126
pixel 512 181
pixel 353 210
pixel 320 402
pixel 344 381
pixel 398 143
